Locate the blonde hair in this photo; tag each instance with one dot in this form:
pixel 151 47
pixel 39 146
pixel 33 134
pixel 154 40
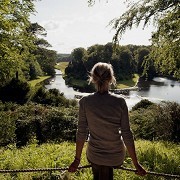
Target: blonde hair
pixel 102 75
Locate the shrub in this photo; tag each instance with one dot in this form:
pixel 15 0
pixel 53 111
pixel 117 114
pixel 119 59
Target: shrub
pixel 142 104
pixel 52 97
pixel 7 127
pixel 15 91
pixel 45 123
pixel 159 122
pixel 167 121
pixel 59 125
pixel 142 124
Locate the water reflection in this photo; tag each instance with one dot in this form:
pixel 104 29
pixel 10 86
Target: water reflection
pixel 157 90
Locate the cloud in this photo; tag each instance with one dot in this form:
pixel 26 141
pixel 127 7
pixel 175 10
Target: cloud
pixel 51 25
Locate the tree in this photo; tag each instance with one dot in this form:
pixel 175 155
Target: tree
pixel 42 55
pixel 166 45
pixel 47 60
pixel 22 51
pixel 165 41
pixel 83 61
pixel 14 39
pixel 77 66
pixel 123 63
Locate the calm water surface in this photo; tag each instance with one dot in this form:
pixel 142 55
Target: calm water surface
pixel 158 89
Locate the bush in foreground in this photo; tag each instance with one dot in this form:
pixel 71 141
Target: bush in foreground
pixel 156 121
pixel 45 123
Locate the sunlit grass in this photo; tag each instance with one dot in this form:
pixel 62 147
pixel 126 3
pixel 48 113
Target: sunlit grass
pixel 61 66
pixel 120 84
pixel 162 157
pixel 34 82
pixel 127 83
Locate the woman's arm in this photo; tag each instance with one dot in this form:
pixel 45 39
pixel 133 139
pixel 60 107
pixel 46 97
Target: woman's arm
pixel 132 152
pixel 129 140
pixel 81 136
pixel 74 165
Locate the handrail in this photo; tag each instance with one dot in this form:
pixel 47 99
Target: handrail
pixel 83 167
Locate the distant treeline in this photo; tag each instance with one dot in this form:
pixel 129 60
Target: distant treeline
pixel 63 58
pixel 126 61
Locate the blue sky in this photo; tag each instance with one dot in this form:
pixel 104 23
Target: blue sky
pixel 71 24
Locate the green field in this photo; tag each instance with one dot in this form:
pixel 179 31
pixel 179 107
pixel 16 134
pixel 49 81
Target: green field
pixel 160 157
pixel 61 66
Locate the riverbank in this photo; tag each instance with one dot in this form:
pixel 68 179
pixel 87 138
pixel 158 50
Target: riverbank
pixel 124 85
pixel 61 66
pixel 34 82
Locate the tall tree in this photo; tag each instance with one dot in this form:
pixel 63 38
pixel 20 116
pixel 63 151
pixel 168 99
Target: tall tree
pixel 14 19
pixel 77 66
pixel 165 41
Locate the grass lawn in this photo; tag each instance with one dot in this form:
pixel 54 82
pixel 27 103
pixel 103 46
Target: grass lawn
pixel 120 84
pixel 61 66
pixel 127 83
pixel 162 157
pixel 36 81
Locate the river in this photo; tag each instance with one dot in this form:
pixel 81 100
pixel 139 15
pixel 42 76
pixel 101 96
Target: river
pixel 157 90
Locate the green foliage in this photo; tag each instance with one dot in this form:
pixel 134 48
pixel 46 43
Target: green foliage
pixel 14 41
pixel 145 65
pixel 21 48
pixel 47 59
pixel 160 157
pixel 166 44
pixel 21 123
pixel 15 91
pixel 168 122
pixel 123 61
pixel 142 104
pixel 165 41
pixel 51 97
pixel 76 67
pixel 63 58
pixel 7 127
pixel 156 122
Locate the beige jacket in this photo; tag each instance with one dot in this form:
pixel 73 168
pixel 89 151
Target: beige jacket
pixel 105 118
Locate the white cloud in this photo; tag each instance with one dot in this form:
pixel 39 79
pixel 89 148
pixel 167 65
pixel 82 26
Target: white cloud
pixel 50 25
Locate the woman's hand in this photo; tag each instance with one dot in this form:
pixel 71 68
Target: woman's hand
pixel 140 170
pixel 74 165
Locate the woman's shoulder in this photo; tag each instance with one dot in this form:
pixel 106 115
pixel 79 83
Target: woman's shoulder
pixel 84 98
pixel 117 99
pixel 117 96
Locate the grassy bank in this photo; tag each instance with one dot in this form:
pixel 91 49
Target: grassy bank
pixel 128 83
pixel 155 156
pixel 120 84
pixel 80 83
pixel 34 82
pixel 62 66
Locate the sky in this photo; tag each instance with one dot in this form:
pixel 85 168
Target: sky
pixel 72 23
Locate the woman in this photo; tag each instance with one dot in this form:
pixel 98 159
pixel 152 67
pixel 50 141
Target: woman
pixel 104 117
